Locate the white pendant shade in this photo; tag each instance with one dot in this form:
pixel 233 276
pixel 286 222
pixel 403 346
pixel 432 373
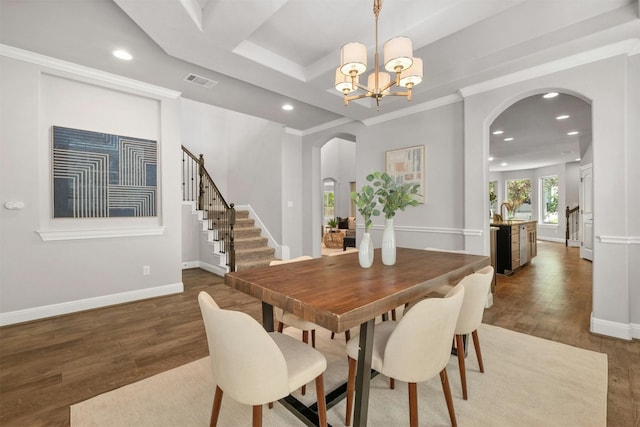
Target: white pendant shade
pixel 353 57
pixel 344 83
pixel 398 52
pixel 413 75
pixel 383 80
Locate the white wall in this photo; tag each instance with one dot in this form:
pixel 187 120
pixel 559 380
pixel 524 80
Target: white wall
pixel 43 278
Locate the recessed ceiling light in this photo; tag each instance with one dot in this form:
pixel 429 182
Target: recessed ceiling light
pixel 578 159
pixel 287 107
pixel 122 54
pixel 503 164
pixel 508 139
pixel 573 132
pixel 562 117
pixel 498 132
pixel 490 159
pixel 550 95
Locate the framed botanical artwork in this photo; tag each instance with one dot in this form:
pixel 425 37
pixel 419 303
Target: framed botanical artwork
pixel 406 166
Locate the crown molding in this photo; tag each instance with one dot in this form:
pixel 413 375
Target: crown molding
pixel 626 47
pixel 81 70
pixel 328 125
pixel 429 105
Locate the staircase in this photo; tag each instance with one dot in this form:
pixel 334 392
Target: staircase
pixel 233 242
pixel 252 250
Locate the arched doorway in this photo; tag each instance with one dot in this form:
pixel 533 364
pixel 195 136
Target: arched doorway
pixel 338 175
pixel 538 145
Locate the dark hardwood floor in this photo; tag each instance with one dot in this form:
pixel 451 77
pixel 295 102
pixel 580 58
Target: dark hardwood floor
pixel 47 365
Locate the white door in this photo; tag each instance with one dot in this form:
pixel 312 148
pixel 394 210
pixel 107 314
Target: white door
pixel 586 212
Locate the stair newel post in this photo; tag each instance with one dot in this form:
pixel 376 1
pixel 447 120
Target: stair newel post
pixel 201 181
pixel 566 234
pixel 232 250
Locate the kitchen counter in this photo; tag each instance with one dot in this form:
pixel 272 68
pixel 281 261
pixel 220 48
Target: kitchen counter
pixel 516 244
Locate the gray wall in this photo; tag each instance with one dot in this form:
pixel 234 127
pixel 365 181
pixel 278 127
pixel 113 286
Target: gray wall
pixel 42 278
pixel 611 87
pixel 437 222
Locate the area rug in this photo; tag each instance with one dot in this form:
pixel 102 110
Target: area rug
pixel 528 381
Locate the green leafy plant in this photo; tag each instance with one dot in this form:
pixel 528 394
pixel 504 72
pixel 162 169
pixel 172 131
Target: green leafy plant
pixel 333 223
pixel 391 195
pixel 366 202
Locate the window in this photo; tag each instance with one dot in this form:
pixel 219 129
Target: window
pixel 493 196
pixel 519 194
pixel 549 199
pixel 329 199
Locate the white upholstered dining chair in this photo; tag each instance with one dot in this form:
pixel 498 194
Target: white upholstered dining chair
pixel 476 287
pixel 253 366
pixel 414 349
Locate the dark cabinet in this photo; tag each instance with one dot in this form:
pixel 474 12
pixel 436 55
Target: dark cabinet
pixel 515 245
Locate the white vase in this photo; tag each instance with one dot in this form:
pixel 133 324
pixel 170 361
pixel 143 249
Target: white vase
pixel 365 252
pixel 388 243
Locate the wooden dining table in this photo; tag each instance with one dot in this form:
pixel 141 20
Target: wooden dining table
pixel 337 294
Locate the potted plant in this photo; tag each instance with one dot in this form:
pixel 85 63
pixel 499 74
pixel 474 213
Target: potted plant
pixel 393 197
pixel 366 202
pixel 332 224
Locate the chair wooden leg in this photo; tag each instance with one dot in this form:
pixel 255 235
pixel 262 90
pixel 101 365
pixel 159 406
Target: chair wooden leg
pixel 463 373
pixel 215 410
pixel 392 383
pixel 393 314
pixel 347 335
pixel 305 339
pixel 257 415
pixel 413 404
pixel 351 386
pixel 270 405
pixel 333 334
pixel 280 327
pixel 447 396
pixel 476 345
pixel 313 338
pixel 322 402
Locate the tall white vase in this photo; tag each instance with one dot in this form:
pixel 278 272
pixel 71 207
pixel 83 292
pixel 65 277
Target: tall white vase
pixel 388 243
pixel 365 252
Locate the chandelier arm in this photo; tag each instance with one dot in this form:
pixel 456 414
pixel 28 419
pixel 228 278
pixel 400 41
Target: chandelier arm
pixel 354 97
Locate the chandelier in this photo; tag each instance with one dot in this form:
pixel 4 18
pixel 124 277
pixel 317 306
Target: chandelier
pixel 398 59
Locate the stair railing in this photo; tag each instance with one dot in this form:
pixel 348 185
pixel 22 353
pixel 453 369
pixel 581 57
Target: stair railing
pixel 573 224
pixel 197 186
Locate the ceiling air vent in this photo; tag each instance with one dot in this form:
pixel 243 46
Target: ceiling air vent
pixel 200 81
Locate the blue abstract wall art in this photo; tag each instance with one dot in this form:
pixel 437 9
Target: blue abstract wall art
pixel 99 175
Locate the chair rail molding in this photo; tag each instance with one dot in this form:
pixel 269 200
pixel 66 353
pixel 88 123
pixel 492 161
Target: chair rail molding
pixel 620 240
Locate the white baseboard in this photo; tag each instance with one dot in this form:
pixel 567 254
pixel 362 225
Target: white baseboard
pixel 215 269
pixel 190 264
pixel 45 311
pixel 550 239
pixel 635 331
pixel 625 331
